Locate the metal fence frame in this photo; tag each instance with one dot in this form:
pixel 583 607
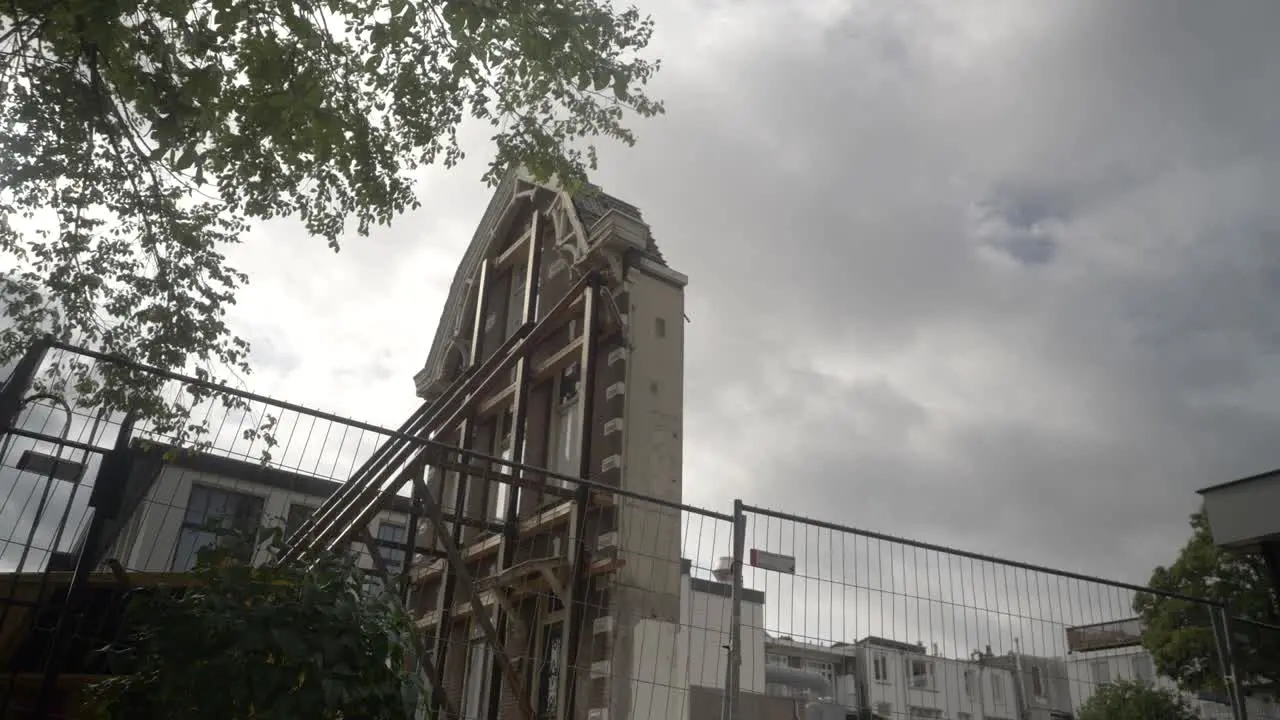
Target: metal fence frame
pixel 1222 619
pixel 15 395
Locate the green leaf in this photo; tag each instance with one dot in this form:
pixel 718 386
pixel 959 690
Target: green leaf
pixel 1179 634
pixel 187 159
pixel 280 116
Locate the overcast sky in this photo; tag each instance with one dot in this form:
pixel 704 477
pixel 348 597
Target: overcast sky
pixel 993 274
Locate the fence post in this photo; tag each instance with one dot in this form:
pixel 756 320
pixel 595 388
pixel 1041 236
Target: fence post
pixel 20 381
pixel 733 671
pixel 1221 621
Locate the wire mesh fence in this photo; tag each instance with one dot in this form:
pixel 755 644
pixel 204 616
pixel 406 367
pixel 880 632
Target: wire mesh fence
pixel 646 622
pixel 85 484
pixel 589 602
pixel 902 629
pixel 1255 646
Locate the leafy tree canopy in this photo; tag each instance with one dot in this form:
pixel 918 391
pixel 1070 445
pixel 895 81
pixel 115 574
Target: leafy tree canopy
pixel 139 138
pixel 1135 701
pixel 1179 634
pixel 266 643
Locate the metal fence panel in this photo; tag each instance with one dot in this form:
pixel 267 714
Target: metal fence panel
pixel 895 628
pixel 602 604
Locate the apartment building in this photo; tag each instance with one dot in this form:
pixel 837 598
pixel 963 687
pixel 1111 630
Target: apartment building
pixel 175 494
pixel 893 679
pixel 812 671
pixel 1041 684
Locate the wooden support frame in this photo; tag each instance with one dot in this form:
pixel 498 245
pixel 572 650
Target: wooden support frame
pixel 578 575
pixel 367 483
pixel 429 668
pixel 463 576
pixel 444 600
pixel 541 522
pixel 536 585
pixel 387 472
pixel 386 482
pixel 519 422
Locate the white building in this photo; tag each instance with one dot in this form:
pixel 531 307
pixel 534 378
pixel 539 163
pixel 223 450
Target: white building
pixel 680 671
pixel 898 680
pixel 176 493
pixel 705 614
pixel 1112 652
pixel 835 665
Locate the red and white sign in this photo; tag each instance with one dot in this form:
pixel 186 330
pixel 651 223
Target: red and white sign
pixel 773 561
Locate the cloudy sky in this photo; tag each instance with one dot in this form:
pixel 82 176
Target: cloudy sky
pixel 993 274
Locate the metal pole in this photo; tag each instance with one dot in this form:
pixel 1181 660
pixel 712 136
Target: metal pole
pixel 1271 558
pixel 20 381
pixel 1221 622
pixel 733 673
pixel 105 500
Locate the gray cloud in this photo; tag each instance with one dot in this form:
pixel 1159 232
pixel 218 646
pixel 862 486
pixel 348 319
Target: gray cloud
pixel 1011 288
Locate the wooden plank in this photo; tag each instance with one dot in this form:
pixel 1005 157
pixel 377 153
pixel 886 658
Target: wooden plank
pixel 514 249
pixel 531 525
pixel 536 585
pixel 558 360
pixel 101 579
pixel 500 399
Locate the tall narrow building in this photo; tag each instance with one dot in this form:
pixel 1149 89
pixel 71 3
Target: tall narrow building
pixel 561 347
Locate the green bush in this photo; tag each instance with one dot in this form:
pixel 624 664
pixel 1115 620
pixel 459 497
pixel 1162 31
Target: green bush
pixel 264 643
pixel 1135 701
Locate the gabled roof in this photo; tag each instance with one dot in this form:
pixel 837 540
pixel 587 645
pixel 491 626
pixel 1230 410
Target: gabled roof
pixel 590 204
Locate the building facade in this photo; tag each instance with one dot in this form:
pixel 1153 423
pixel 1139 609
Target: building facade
pixel 561 348
pixel 1041 685
pixel 177 494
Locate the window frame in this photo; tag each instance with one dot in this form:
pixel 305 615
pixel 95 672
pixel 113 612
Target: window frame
pixel 880 667
pixel 552 626
pixel 187 527
pixel 515 300
pixel 566 426
pixel 929 674
pixel 496 492
pixel 1148 665
pixel 473 692
pixel 395 566
pixel 1100 678
pixel 289 527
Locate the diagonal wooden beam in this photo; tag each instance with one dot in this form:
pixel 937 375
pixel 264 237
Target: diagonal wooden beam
pixel 503 596
pixel 459 568
pixel 359 505
pixel 553 580
pixel 379 562
pixel 419 652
